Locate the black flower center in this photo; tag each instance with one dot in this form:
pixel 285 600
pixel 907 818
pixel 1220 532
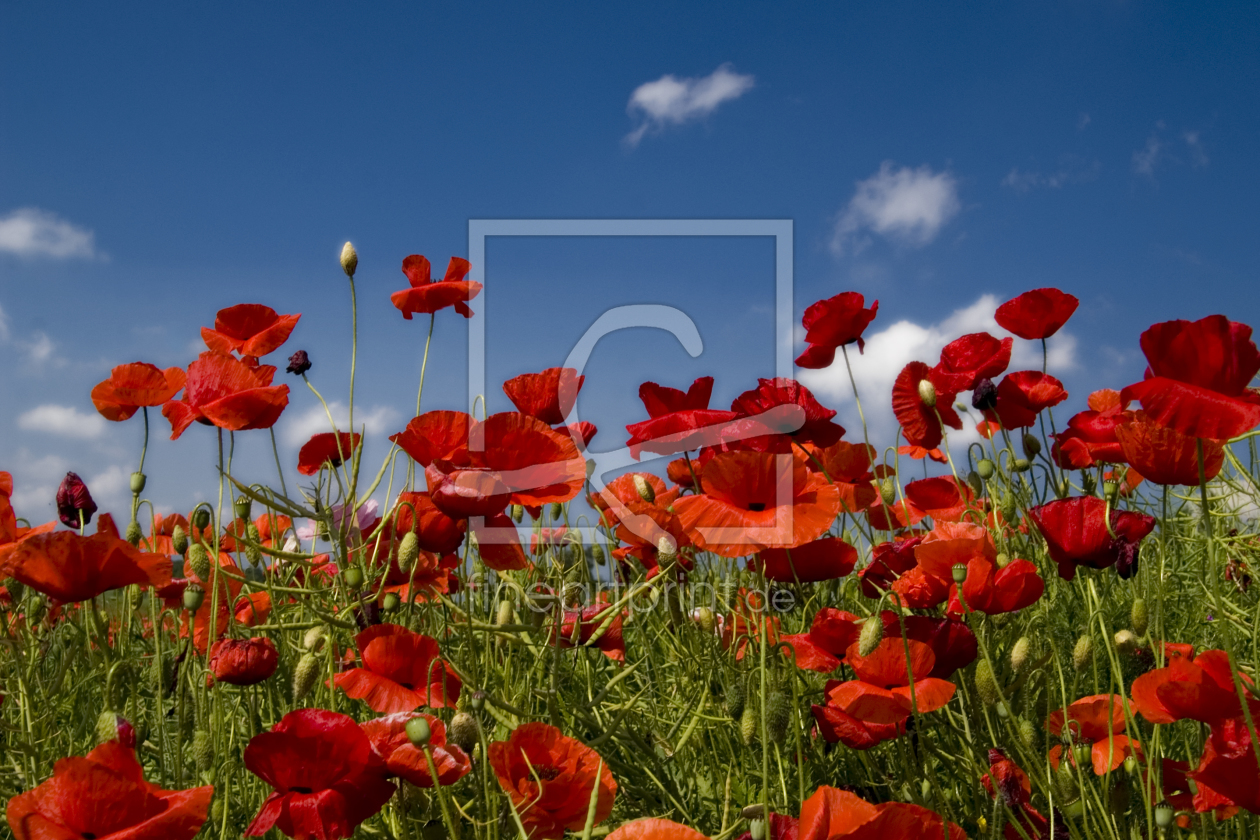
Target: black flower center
pixel 756 507
pixel 300 790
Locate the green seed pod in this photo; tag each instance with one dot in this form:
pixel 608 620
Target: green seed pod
pixel 1083 653
pixel 1065 782
pixel 645 490
pixel 1075 809
pixel 1032 446
pixel 985 469
pixel 778 715
pixel 389 601
pixel 736 697
pixel 870 637
pixel 1002 560
pixel 959 573
pixel 597 554
pixel 1131 765
pixel 179 539
pixel 305 675
pixel 927 393
pixel 352 576
pixel 1164 816
pixel 252 551
pixel 194 597
pixel 556 510
pixel 201 518
pixel 975 483
pixel 757 829
pixel 314 639
pixel 134 534
pixel 1006 506
pixel 518 513
pixel 202 750
pixel 1139 616
pixel 1021 465
pixel 107 727
pixel 1126 641
pixel 408 551
pixel 986 683
pixel 755 811
pixel 242 507
pixel 418 732
pixel 137 483
pixel 464 731
pixel 706 619
pixel 504 614
pixel 478 701
pixel 1110 488
pixel 1083 754
pixel 748 724
pixel 1027 733
pixel 198 561
pixel 1021 652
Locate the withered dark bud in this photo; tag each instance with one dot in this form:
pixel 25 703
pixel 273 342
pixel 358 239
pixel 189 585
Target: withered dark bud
pixel 1126 558
pixel 984 396
pixel 299 363
pixel 74 499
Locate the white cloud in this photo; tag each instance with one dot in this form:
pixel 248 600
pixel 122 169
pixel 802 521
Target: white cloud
pixel 909 205
pixel 1198 155
pixel 672 101
pixel 891 349
pixel 1159 150
pixel 1144 159
pixel 31 232
pixel 4 326
pixel 63 420
pixel 298 428
pixel 1072 171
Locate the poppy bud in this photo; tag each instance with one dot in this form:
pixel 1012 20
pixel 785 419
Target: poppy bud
pixel 349 259
pixel 242 507
pixel 975 483
pixel 353 578
pixel 134 534
pixel 194 596
pixel 408 551
pixel 984 395
pixel 1027 733
pixel 705 618
pixel 518 513
pixel 418 732
pixel 778 716
pixel 1083 653
pixel 1139 616
pixel 985 468
pixel 959 572
pixel 1032 446
pixel 252 551
pixel 757 829
pixel 736 697
pixel 748 724
pixel 986 683
pixel 464 731
pixel 1163 816
pixel 504 614
pixel 927 393
pixel 1020 653
pixel 299 363
pixel 754 811
pixel 1126 641
pixel 305 675
pixel 1006 505
pixel 870 637
pixel 888 491
pixel 645 490
pixel 666 550
pixel 111 726
pixel 557 510
pixel 137 483
pixel 1131 765
pixel 1002 711
pixel 390 602
pixel 198 561
pixel 597 554
pixel 1002 560
pixel 179 539
pixel 1021 465
pixel 203 750
pixel 201 518
pixel 74 503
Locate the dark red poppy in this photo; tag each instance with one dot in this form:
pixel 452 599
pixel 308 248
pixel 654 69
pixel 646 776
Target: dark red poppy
pixel 598 626
pixel 389 741
pixel 325 775
pixel 680 421
pixel 823 648
pixel 952 642
pixel 250 329
pixel 741 513
pixel 326 448
pixel 824 559
pixel 1228 767
pixel 428 296
pixel 833 814
pixel 1199 688
pixel 225 392
pixel 75 505
pixel 253 609
pixel 1005 780
pixel 1198 378
pixel 1091 435
pixel 243 661
pixel 550 778
pixel 811 424
pixel 549 395
pixel 401 671
pixel 920 423
pixel 434 530
pixel 433 435
pixel 967 360
pixel 1175 786
pixel 1076 535
pixel 889 560
pixel 131 386
pixel 104 795
pixel 1097 720
pixel 1023 395
pixel 71 568
pixel 1164 455
pixel 833 323
pixel 944 498
pixel 1036 314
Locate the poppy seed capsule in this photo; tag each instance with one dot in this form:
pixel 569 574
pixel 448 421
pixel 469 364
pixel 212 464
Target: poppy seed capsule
pixel 870 637
pixel 1002 560
pixel 349 259
pixel 418 732
pixel 179 539
pixel 464 731
pixel 1163 816
pixel 137 483
pixel 985 469
pixel 645 490
pixel 242 507
pixel 134 534
pixel 1032 446
pixel 198 561
pixel 959 572
pixel 1109 489
pixel 353 578
pixel 194 596
pixel 305 675
pixel 1139 617
pixel 748 724
pixel 1083 653
pixel 757 829
pixel 986 683
pixel 778 715
pixel 389 602
pixel 927 393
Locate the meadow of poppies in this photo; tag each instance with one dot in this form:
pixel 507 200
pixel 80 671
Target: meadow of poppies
pixel 786 630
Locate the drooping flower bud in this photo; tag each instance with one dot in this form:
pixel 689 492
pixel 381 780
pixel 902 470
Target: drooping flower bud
pixel 870 637
pixel 1021 652
pixel 134 534
pixel 201 518
pixel 975 483
pixel 1139 616
pixel 1020 465
pixel 1032 446
pixel 198 561
pixel 736 697
pixel 179 539
pixel 111 726
pixel 985 469
pixel 390 602
pixel 349 259
pixel 645 490
pixel 888 491
pixel 748 724
pixel 138 480
pixel 504 613
pixel 352 576
pixel 556 510
pixel 986 683
pixel 314 639
pixel 408 551
pixel 706 619
pixel 1002 560
pixel 74 503
pixel 1027 733
pixel 1083 653
pixel 984 395
pixel 597 554
pixel 299 363
pixel 203 750
pixel 464 731
pixel 927 393
pixel 305 675
pixel 778 715
pixel 419 732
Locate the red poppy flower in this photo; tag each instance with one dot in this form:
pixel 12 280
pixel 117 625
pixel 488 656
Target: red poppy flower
pixel 1096 720
pixel 591 620
pixel 1228 767
pixel 582 431
pixel 833 814
pixel 823 648
pixel 1036 314
pixel 832 323
pixel 991 590
pixel 70 568
pixel 653 828
pixel 967 360
pixel 131 386
pixel 642 526
pixel 243 662
pixel 1011 784
pixel 433 435
pixel 920 423
pixel 250 329
pixel 1199 689
pixel 1023 395
pixel 1091 435
pixel 428 296
pixel 549 395
pixel 326 448
pixel 1164 455
pixel 253 609
pixel 680 421
pixel 623 490
pixel 1076 535
pixel 389 741
pixel 104 795
pixel 225 392
pixel 952 642
pixel 943 498
pixel 325 775
pixel 1176 789
pixel 550 778
pixel 889 560
pixel 816 427
pixel 825 559
pixel 1198 378
pixel 401 671
pixel 434 530
pixel 741 513
pixel 502 555
pixel 848 466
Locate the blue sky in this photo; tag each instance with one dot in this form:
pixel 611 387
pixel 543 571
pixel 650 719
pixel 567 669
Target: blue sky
pixel 159 162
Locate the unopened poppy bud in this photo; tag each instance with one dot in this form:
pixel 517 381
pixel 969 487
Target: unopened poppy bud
pixel 748 724
pixel 1083 653
pixel 1164 816
pixel 203 750
pixel 74 503
pixel 646 492
pixel 975 483
pixel 349 259
pixel 1006 505
pixel 107 726
pixel 418 732
pixel 504 614
pixel 389 602
pixel 736 698
pixel 778 716
pixel 1002 711
pixel 518 513
pixel 597 554
pixel 137 483
pixel 706 619
pixel 179 539
pixel 299 363
pixel 198 561
pixel 305 675
pixel 194 596
pixel 1021 652
pixel 1021 465
pixel 557 510
pixel 754 811
pixel 478 701
pixel 1032 446
pixel 1027 733
pixel 134 534
pixel 242 507
pixel 888 491
pixel 757 829
pixel 1082 754
pixel 1002 560
pixel 201 518
pixel 408 551
pixel 464 731
pixel 253 549
pixel 314 639
pixel 666 550
pixel 985 469
pixel 986 683
pixel 1126 641
pixel 870 637
pixel 352 576
pixel 927 393
pixel 959 572
pixel 1139 616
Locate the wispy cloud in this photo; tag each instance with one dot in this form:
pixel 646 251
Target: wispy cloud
pixel 62 420
pixel 1198 155
pixel 1145 158
pixel 1072 170
pixel 1159 149
pixel 673 101
pixel 298 428
pixel 31 232
pixel 907 205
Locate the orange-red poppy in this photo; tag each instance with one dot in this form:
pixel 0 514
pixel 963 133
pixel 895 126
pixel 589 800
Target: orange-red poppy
pixel 250 329
pixel 823 648
pixel 1097 720
pixel 243 661
pixel 680 421
pixel 401 671
pixel 428 296
pixel 823 559
pixel 1164 455
pixel 833 814
pixel 549 395
pixel 809 423
pixel 433 435
pixel 326 448
pixel 69 568
pixel 388 736
pixel 920 423
pixel 132 386
pixel 223 391
pixel 1023 395
pixel 1196 688
pixel 654 828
